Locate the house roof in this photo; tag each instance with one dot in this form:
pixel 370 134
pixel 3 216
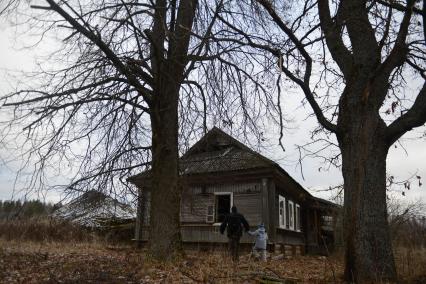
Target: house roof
pixel 93 208
pixel 218 152
pixel 321 203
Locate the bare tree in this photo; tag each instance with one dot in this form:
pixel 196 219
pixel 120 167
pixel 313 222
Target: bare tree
pixel 126 76
pixel 353 61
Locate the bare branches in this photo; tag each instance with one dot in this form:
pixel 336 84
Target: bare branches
pixel 304 80
pixel 8 5
pixel 397 6
pixel 399 52
pixel 96 39
pixel 332 31
pixel 414 117
pixel 90 114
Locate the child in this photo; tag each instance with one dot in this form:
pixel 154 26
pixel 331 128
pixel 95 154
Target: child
pixel 261 241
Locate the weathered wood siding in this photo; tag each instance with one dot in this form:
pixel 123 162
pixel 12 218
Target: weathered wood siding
pixel 196 199
pixel 250 206
pixel 288 237
pixel 146 207
pixel 202 234
pixel 194 206
pixel 208 234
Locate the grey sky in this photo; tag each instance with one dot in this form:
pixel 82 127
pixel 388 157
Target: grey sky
pixel 400 164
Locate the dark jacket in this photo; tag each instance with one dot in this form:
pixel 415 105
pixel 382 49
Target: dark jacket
pixel 239 218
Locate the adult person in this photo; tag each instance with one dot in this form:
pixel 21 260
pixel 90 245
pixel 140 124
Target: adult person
pixel 234 224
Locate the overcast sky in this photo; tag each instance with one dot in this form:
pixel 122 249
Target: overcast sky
pixel 401 164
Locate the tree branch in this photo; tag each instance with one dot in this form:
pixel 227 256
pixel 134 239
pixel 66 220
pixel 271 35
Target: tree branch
pixel 332 32
pixel 414 117
pixel 400 7
pixel 96 39
pixel 399 52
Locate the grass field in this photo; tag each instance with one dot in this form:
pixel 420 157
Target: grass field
pixel 83 262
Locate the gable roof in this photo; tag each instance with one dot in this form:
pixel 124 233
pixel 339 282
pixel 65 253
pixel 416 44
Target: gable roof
pixel 217 152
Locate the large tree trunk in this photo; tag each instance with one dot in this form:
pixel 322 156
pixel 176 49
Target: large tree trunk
pixel 165 240
pixel 369 256
pixel 169 73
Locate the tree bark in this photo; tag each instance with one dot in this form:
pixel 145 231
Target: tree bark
pixel 165 239
pixel 362 140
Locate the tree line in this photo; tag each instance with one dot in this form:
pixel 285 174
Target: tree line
pixel 10 209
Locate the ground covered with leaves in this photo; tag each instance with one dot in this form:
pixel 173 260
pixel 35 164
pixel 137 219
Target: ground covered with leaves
pixel 26 262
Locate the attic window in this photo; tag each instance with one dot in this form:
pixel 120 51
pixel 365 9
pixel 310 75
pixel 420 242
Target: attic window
pixel 223 203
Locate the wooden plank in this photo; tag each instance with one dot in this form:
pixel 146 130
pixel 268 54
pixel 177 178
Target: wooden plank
pixel 194 207
pixel 273 211
pixel 139 218
pixel 265 199
pixel 249 204
pixel 196 199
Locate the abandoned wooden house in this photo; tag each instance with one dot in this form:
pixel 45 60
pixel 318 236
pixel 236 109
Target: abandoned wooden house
pixel 219 172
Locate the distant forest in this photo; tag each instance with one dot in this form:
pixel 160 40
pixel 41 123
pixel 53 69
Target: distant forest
pixel 26 209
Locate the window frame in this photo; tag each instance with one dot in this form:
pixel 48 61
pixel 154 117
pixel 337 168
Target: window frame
pixel 291 215
pixel 214 204
pixel 298 214
pixel 210 218
pixel 281 217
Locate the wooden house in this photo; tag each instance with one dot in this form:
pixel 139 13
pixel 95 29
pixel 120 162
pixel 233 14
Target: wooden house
pixel 218 172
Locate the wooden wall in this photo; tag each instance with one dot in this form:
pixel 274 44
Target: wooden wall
pixel 196 199
pixel 257 201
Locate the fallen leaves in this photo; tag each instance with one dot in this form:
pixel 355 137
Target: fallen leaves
pixel 26 262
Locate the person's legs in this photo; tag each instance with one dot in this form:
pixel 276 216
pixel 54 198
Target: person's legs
pixel 237 248
pixel 233 245
pixel 263 254
pixel 230 246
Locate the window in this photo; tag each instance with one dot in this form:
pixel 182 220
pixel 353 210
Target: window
pixel 281 209
pixel 298 227
pixel 287 214
pixel 291 215
pixel 327 221
pixel 210 214
pixel 223 203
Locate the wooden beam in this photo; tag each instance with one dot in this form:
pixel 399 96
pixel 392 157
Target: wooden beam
pixel 273 212
pixel 265 202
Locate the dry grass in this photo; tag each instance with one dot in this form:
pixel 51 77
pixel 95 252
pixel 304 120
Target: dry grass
pixel 43 229
pixel 95 262
pixel 411 264
pixel 52 262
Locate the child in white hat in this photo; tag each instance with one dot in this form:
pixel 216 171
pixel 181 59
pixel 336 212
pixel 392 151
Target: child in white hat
pixel 261 241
